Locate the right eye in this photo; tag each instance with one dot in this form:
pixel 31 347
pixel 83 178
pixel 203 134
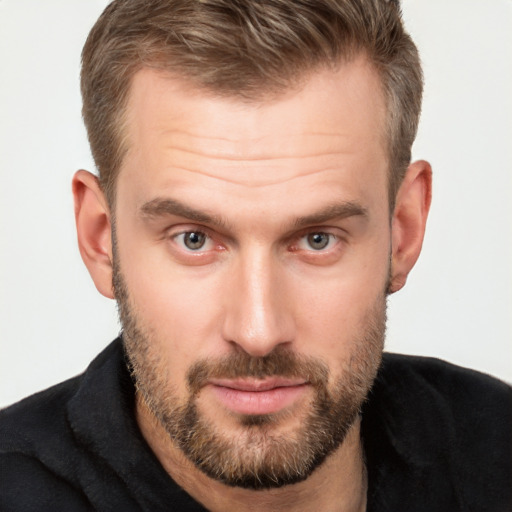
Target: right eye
pixel 317 241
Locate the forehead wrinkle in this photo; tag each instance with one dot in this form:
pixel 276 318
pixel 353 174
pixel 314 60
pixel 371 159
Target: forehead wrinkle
pixel 259 158
pixel 253 172
pixel 250 182
pixel 260 148
pixel 241 166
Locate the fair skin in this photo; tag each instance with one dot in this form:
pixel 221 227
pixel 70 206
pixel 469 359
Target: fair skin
pixel 257 179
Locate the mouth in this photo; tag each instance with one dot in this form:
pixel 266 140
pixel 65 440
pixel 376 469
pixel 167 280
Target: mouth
pixel 258 396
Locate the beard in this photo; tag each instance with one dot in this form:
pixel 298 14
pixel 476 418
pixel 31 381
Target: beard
pixel 258 456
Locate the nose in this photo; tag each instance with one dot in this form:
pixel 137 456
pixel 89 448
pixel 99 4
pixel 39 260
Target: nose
pixel 259 313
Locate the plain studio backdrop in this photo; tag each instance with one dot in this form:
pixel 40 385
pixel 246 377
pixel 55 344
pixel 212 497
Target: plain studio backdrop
pixel 457 304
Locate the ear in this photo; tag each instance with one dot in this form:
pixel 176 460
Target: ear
pixel 93 227
pixel 409 221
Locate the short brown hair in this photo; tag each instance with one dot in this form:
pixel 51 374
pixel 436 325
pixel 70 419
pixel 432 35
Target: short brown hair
pixel 245 49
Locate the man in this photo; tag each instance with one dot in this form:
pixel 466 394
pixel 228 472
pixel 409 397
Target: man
pixel 256 204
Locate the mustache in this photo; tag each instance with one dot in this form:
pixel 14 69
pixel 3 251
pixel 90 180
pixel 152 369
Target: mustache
pixel 281 362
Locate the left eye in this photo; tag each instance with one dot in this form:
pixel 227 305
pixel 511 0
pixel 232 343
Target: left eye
pixel 317 241
pixel 194 240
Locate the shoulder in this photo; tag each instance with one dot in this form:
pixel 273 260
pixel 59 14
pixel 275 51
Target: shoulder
pixel 34 453
pixel 463 390
pixel 41 422
pixel 41 425
pixel 45 463
pixel 454 420
pixel 28 485
pixel 34 421
pixel 476 406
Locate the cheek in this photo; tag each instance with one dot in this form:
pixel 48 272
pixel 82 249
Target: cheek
pixel 179 321
pixel 336 311
pixel 179 307
pixel 175 305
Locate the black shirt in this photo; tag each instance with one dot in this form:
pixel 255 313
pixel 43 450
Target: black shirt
pixel 437 438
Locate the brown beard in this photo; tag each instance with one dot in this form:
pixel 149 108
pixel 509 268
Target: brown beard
pixel 258 457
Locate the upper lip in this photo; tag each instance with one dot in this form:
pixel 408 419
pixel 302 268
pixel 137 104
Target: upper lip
pixel 252 384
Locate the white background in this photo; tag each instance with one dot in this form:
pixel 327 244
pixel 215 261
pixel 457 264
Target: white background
pixel 458 302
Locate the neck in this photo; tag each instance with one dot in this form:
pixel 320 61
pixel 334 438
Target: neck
pixel 338 484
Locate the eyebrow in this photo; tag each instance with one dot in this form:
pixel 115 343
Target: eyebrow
pixel 336 211
pixel 160 207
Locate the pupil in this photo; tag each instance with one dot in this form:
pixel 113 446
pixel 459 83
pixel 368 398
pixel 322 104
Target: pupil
pixel 194 240
pixel 318 240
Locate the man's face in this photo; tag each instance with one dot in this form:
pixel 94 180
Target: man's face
pixel 252 258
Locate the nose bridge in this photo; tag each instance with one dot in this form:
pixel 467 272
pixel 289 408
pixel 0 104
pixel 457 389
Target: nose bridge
pixel 258 316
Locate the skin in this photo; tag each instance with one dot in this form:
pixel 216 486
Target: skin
pixel 267 175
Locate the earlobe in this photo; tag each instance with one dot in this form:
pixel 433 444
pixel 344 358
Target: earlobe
pixel 93 226
pixel 409 221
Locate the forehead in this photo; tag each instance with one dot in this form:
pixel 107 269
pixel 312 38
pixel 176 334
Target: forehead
pixel 347 102
pixel 178 136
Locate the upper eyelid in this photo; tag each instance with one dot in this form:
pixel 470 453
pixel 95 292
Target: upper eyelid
pixel 328 230
pixel 176 231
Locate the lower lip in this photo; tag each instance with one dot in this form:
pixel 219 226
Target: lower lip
pixel 258 402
